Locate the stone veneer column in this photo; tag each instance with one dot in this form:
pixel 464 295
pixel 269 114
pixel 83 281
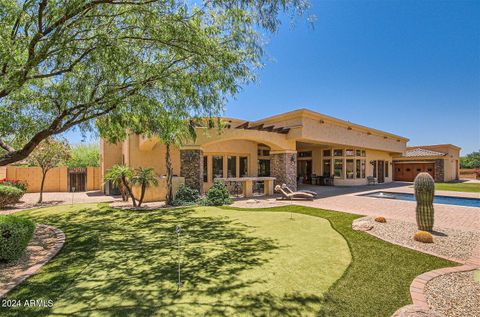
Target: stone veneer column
pixel 283 166
pixel 439 171
pixel 191 167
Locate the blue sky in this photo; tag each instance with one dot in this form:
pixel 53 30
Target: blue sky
pixel 407 67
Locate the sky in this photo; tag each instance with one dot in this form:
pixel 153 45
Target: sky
pixel 411 68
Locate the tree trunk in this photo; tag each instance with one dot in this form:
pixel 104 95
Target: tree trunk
pixel 142 194
pixel 129 190
pixel 169 197
pixel 40 199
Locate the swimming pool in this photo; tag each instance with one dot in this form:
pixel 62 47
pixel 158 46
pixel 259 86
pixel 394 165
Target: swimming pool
pixel 448 200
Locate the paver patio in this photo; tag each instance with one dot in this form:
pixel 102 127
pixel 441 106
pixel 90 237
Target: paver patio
pixel 347 199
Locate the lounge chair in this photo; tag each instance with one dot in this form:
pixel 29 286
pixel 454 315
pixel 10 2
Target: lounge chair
pixel 293 195
pixel 288 190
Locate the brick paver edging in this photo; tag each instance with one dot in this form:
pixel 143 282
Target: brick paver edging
pixel 417 288
pixel 22 276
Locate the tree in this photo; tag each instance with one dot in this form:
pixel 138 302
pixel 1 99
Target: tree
pixel 49 154
pixel 471 160
pixel 65 63
pixel 120 175
pixel 144 177
pixel 84 155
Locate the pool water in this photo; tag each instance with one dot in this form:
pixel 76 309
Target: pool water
pixel 448 200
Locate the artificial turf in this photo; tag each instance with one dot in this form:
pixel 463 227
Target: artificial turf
pixel 234 262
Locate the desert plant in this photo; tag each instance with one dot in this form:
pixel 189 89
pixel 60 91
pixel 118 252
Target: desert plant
pixel 380 219
pixel 120 175
pixel 424 193
pixel 186 196
pixel 144 177
pixel 423 236
pixel 15 233
pixel 217 195
pixel 15 183
pixel 9 195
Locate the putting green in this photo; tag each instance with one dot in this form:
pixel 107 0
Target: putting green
pixel 232 262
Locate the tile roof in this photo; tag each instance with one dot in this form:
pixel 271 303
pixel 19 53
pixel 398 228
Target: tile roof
pixel 419 152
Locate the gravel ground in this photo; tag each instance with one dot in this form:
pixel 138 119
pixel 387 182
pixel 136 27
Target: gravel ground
pixel 42 241
pixel 454 294
pixel 449 243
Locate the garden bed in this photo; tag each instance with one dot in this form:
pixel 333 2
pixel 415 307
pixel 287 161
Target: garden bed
pixel 448 243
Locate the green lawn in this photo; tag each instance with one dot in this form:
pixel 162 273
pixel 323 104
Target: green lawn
pixel 235 262
pixel 459 187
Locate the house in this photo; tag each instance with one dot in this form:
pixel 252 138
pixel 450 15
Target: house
pixel 441 161
pixel 294 147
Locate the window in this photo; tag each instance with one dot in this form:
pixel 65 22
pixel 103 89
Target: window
pixel 205 169
pixel 231 166
pixel 263 168
pixel 357 169
pixel 338 168
pixel 337 152
pixel 359 153
pixel 263 152
pixel 364 153
pixel 217 166
pixel 349 168
pixel 305 154
pixel 386 169
pixel 326 168
pixel 327 152
pixel 349 152
pixel 243 166
pixel 374 163
pixel 363 168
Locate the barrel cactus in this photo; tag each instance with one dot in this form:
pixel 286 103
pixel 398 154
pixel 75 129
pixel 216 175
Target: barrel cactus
pixel 424 192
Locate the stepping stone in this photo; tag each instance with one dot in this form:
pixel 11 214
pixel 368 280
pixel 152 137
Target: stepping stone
pixel 35 248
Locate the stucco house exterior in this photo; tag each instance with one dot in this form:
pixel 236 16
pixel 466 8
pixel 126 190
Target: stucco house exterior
pixel 441 161
pixel 293 147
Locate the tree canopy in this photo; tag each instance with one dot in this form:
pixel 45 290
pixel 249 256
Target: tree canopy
pixel 471 160
pixel 64 63
pixel 84 155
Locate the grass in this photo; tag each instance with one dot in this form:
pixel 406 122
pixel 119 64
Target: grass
pixel 236 262
pixel 459 187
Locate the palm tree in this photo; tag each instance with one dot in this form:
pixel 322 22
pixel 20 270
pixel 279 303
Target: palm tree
pixel 173 129
pixel 120 175
pixel 144 177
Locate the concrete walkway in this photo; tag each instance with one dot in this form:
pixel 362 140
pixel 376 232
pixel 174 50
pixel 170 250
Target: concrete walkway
pixel 29 200
pixel 347 199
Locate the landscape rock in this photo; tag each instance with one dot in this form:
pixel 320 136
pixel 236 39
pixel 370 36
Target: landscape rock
pixel 361 225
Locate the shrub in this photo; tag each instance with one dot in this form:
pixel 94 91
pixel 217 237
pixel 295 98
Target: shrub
pixel 15 183
pixel 381 219
pixel 9 195
pixel 217 195
pixel 186 196
pixel 15 233
pixel 423 236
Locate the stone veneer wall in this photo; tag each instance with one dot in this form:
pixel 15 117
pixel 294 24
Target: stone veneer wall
pixel 283 167
pixel 191 167
pixel 439 170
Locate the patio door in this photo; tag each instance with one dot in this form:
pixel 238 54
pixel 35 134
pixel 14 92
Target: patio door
pixel 381 171
pixel 304 170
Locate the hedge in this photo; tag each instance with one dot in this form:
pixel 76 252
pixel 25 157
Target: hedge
pixel 15 233
pixel 9 195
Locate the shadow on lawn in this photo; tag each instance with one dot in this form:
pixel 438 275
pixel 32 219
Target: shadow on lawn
pixel 119 263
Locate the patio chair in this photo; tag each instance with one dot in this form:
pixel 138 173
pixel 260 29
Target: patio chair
pixel 372 180
pixel 288 190
pixel 293 195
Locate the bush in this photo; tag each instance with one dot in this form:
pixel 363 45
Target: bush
pixel 381 219
pixel 9 195
pixel 217 195
pixel 15 183
pixel 423 236
pixel 186 196
pixel 15 233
